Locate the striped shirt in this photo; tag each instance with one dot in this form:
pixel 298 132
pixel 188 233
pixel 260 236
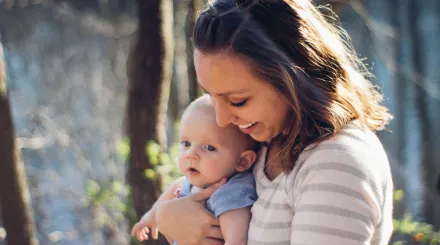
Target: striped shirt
pixel 339 193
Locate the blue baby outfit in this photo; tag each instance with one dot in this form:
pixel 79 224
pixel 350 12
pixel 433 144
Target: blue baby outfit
pixel 238 192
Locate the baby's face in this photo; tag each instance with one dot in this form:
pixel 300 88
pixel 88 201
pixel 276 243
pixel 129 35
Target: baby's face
pixel 207 152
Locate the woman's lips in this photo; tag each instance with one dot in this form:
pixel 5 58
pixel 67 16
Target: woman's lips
pixel 249 130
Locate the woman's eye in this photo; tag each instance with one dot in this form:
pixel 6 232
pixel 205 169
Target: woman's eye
pixel 239 104
pixel 186 143
pixel 210 148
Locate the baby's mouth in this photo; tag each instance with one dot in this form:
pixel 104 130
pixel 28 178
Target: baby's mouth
pixel 193 170
pixel 190 169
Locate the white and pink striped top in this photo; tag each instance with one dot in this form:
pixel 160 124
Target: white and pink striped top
pixel 339 193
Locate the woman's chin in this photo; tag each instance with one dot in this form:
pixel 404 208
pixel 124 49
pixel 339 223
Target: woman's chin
pixel 259 137
pixel 264 137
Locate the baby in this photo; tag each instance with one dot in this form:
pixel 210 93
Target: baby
pixel 207 154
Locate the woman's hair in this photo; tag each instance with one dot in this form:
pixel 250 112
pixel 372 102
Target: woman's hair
pixel 308 60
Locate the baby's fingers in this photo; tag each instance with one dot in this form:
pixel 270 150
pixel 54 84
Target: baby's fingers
pixel 154 231
pixel 143 234
pixel 137 227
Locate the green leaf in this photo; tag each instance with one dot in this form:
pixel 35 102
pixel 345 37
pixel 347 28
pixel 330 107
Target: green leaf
pixel 123 147
pixel 150 174
pixel 152 149
pixel 92 188
pixel 123 207
pixel 165 159
pixel 117 187
pixel 396 224
pixel 398 195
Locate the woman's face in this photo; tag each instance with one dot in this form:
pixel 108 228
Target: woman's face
pixel 240 97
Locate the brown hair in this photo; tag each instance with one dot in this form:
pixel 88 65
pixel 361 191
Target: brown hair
pixel 292 46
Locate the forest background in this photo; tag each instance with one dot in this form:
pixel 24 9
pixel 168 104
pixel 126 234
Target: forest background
pixel 91 92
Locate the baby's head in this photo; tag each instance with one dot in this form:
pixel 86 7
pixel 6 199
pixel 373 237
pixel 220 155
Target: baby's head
pixel 207 152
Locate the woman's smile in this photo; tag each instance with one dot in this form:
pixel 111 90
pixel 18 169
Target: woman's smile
pixel 248 128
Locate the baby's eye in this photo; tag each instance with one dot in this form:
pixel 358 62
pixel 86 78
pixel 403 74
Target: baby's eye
pixel 210 148
pixel 185 143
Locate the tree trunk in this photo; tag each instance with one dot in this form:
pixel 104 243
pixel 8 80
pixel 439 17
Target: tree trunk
pixel 14 193
pixel 193 7
pixel 149 72
pixel 429 210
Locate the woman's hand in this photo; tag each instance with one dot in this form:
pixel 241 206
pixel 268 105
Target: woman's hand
pixel 187 221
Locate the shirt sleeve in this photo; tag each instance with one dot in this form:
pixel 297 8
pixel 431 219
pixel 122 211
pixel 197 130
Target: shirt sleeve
pixel 238 192
pixel 337 200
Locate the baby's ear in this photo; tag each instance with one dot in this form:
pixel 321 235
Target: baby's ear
pixel 247 158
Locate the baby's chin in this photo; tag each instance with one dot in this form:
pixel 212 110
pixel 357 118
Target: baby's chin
pixel 199 183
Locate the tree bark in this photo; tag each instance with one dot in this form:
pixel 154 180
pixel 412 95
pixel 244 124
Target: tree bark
pixel 14 194
pixel 427 159
pixel 193 7
pixel 149 72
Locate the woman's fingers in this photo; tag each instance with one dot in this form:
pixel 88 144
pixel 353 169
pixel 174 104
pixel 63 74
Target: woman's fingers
pixel 212 241
pixel 213 221
pixel 185 220
pixel 206 193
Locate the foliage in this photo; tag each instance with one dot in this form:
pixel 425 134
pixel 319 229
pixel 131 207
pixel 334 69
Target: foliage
pixel 164 164
pixel 418 232
pixel 113 197
pixel 109 197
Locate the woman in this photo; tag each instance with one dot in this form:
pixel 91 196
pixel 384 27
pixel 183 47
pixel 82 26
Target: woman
pixel 284 75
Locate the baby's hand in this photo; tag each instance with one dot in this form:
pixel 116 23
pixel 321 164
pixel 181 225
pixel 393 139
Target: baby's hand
pixel 141 228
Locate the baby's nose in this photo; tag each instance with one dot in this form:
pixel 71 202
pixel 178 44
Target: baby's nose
pixel 192 156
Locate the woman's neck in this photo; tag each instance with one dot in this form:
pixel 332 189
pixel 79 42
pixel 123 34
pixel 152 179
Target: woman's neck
pixel 272 166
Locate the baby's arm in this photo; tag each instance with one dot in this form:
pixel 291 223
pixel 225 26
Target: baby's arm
pixel 234 225
pixel 140 229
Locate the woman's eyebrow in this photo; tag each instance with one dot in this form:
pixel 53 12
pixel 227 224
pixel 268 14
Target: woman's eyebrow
pixel 224 93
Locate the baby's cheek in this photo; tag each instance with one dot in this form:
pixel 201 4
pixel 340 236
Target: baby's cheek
pixel 225 157
pixel 182 162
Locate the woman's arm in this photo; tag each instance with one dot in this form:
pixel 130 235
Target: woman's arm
pixel 186 220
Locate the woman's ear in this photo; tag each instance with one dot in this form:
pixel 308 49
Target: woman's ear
pixel 247 158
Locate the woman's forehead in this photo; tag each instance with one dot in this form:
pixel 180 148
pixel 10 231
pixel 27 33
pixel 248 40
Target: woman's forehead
pixel 222 74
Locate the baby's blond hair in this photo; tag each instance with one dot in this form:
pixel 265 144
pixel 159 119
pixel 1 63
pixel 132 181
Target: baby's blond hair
pixel 204 103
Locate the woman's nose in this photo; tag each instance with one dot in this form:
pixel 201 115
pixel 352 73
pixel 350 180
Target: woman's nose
pixel 223 116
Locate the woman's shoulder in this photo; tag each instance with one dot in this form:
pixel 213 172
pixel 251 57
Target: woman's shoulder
pixel 353 155
pixel 349 173
pixel 353 142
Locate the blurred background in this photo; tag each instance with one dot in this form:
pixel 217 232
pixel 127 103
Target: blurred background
pixel 96 89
